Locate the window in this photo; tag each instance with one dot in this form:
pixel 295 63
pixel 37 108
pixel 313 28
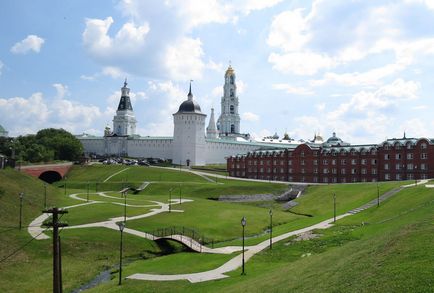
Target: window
pixel 325 162
pixel 409 146
pixel 398 167
pixel 232 128
pixel 398 156
pixel 397 146
pixel 343 162
pixel 325 171
pixel 325 180
pixel 303 171
pixel 353 162
pixel 315 170
pixel 343 171
pixel 315 162
pixel 315 154
pixel 363 170
pixel 333 162
pixel 409 156
pixel 423 166
pixel 386 176
pixel 334 171
pixel 386 156
pixel 232 93
pixel 374 162
pixel 232 79
pixel 410 167
pixel 353 171
pixel 363 161
pixel 302 162
pixel 302 154
pixel 290 170
pixel 423 146
pixel 232 109
pixel 374 171
pixel 386 147
pixel 410 176
pixel 386 166
pixel 398 176
pixel 289 162
pixel 424 156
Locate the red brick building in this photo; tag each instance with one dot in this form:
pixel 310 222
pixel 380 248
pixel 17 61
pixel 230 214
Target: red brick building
pixel 338 162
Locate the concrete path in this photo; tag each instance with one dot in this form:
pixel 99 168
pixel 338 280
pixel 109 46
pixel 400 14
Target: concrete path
pixel 108 178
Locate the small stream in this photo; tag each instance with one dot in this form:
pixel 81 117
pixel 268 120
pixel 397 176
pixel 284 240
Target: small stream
pixel 102 277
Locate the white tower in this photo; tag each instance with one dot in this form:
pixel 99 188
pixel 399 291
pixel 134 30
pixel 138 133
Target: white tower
pixel 124 122
pixel 229 122
pixel 189 133
pixel 211 130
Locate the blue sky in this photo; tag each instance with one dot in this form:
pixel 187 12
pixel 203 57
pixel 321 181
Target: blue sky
pixel 360 68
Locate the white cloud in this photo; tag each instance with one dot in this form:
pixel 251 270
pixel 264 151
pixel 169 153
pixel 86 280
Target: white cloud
pixel 184 59
pixel 241 87
pixel 113 72
pixel 215 66
pixel 217 91
pixel 129 39
pixel 289 89
pixel 30 43
pixel 300 63
pixel 249 116
pixel 62 90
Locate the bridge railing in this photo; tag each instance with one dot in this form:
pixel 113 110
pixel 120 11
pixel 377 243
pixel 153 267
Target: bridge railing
pixel 192 234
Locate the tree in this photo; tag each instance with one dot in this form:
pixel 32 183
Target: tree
pixel 64 145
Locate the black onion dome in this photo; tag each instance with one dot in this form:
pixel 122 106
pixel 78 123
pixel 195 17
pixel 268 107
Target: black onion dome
pixel 189 106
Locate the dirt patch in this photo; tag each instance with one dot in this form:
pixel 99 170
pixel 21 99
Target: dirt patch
pixel 304 236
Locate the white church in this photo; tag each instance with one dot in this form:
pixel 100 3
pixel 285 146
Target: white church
pixel 191 144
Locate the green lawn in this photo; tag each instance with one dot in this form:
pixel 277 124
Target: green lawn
pixel 385 249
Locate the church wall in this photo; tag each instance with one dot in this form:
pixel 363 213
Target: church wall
pixel 94 145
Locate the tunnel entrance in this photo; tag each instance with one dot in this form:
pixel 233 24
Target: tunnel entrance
pixel 50 176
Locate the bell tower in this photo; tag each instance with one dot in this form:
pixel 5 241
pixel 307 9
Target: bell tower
pixel 124 122
pixel 228 123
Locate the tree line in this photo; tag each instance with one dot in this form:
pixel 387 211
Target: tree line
pixel 46 145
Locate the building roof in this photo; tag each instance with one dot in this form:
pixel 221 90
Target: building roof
pixel 125 102
pixel 189 105
pixel 2 129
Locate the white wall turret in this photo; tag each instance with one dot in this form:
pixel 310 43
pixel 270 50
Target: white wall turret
pixel 211 130
pixel 189 133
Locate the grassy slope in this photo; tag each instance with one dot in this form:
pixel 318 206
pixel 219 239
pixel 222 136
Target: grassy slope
pixel 392 251
pixel 85 252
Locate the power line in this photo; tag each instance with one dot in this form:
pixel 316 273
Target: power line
pixel 21 247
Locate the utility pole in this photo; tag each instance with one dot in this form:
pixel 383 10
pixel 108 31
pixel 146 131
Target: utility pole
pixel 45 196
pixel 378 195
pixel 57 267
pixel 21 208
pixel 334 207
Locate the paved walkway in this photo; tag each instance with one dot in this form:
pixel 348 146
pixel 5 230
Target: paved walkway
pixel 108 178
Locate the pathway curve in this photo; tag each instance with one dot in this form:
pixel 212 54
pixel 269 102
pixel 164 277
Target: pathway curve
pixel 108 178
pixel 236 262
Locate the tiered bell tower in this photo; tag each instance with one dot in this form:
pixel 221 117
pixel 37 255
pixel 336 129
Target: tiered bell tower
pixel 124 122
pixel 228 123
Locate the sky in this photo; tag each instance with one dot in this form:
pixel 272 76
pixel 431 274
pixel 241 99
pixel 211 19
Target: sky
pixel 363 69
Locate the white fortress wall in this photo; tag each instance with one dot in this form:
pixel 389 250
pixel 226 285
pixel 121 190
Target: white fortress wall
pixel 217 150
pixel 152 147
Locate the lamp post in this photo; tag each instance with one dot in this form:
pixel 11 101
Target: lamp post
pixel 21 208
pixel 87 191
pixel 45 195
pixel 243 223
pixel 180 201
pixel 378 195
pixel 65 186
pixel 334 207
pixel 415 178
pixel 271 227
pixel 125 206
pixel 121 228
pixel 170 200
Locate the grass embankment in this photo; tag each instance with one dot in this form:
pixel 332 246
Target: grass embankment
pixel 219 169
pixel 385 249
pixel 85 252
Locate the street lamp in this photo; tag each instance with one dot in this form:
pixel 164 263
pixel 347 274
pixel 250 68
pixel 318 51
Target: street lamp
pixel 243 223
pixel 21 208
pixel 378 195
pixel 125 206
pixel 64 185
pixel 87 191
pixel 45 195
pixel 271 227
pixel 415 178
pixel 121 228
pixel 334 207
pixel 170 200
pixel 180 202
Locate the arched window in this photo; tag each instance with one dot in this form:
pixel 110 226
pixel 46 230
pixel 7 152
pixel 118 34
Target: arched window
pixel 231 79
pixel 232 93
pixel 232 109
pixel 232 128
